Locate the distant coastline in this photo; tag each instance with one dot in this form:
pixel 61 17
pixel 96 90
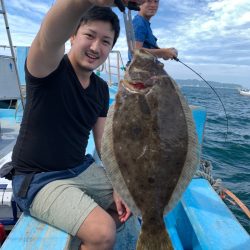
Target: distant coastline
pixel 200 83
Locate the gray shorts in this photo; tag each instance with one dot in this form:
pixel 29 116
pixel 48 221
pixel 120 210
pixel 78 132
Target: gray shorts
pixel 66 203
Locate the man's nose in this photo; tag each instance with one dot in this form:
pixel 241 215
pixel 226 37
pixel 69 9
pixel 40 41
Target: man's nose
pixel 95 45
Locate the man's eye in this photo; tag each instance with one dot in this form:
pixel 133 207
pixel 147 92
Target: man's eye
pixel 106 42
pixel 88 35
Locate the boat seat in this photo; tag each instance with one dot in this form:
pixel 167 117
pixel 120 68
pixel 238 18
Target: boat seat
pixel 30 233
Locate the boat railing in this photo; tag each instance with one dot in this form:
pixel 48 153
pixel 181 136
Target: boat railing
pixel 113 68
pixel 4 13
pixel 111 71
pixel 15 96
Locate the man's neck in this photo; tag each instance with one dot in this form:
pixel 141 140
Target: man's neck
pixel 82 74
pixel 83 77
pixel 146 17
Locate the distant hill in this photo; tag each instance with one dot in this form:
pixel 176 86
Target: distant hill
pixel 200 83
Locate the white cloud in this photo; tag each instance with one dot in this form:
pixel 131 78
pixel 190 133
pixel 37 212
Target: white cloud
pixel 211 35
pixel 21 35
pixel 33 7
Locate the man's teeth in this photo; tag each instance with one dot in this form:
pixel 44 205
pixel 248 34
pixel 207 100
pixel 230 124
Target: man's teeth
pixel 92 57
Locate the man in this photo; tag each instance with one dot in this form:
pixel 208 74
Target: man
pixel 144 37
pixel 54 181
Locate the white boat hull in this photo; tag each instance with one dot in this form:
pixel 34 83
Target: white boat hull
pixel 246 93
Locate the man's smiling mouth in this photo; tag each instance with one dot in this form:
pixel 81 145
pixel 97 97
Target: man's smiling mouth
pixel 92 56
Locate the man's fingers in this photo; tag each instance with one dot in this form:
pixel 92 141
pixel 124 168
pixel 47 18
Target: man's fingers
pixel 124 217
pixel 174 51
pixel 122 209
pixel 119 206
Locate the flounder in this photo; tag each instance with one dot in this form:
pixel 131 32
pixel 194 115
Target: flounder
pixel 149 146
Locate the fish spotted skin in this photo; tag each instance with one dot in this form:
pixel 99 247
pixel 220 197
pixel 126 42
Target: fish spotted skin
pixel 153 146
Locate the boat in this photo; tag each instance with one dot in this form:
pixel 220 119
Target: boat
pixel 245 92
pixel 200 220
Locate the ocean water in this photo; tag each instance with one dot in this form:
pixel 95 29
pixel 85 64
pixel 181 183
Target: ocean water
pixel 230 158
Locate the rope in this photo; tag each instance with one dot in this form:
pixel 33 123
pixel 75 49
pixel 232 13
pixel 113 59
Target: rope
pixel 205 171
pixel 237 201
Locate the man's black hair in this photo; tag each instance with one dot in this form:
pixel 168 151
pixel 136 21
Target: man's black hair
pixel 102 14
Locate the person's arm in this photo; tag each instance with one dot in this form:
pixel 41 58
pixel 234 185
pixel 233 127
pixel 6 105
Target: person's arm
pixel 98 132
pixel 164 53
pixel 47 49
pixel 122 208
pixel 58 25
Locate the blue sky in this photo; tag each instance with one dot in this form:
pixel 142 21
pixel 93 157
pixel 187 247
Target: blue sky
pixel 213 37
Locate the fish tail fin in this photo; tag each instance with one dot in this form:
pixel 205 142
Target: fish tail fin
pixel 154 241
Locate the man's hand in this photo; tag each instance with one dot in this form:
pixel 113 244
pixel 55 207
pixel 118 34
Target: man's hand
pixel 168 53
pixel 137 2
pixel 123 210
pixel 102 2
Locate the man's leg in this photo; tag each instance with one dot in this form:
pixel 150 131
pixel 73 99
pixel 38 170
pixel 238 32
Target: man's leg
pixel 70 205
pixel 97 231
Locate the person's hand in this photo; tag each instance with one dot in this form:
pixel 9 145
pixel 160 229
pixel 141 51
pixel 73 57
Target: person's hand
pixel 138 2
pixel 169 53
pixel 122 209
pixel 102 2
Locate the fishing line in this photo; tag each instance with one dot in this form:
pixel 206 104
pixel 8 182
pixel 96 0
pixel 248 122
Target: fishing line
pixel 178 60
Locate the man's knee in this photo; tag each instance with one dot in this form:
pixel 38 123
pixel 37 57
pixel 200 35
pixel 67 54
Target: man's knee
pixel 99 231
pixel 104 235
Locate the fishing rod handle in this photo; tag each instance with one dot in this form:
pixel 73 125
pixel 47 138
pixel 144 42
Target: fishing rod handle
pixel 120 5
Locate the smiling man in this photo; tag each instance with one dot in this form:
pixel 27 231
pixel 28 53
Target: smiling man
pixel 91 43
pixel 54 180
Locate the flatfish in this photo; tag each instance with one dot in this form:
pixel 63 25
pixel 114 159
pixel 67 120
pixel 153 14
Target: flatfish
pixel 149 146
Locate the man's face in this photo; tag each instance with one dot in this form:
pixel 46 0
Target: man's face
pixel 149 8
pixel 91 45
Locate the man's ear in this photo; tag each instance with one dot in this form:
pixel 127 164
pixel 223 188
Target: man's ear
pixel 72 38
